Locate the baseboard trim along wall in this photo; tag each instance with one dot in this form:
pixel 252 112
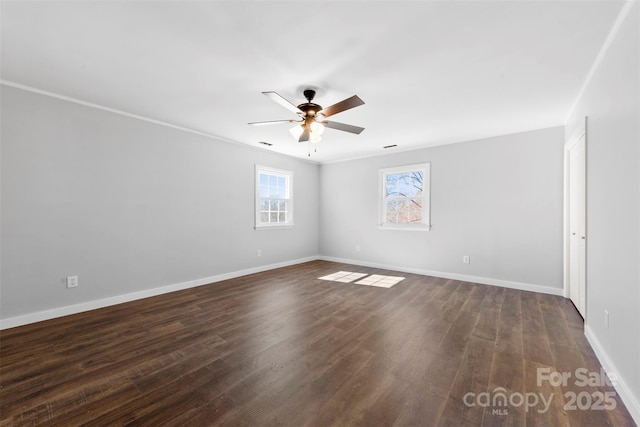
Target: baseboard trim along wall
pixel 454 276
pixel 39 316
pixel 631 402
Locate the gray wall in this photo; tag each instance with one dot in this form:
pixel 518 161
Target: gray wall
pixel 498 200
pixel 611 102
pixel 129 205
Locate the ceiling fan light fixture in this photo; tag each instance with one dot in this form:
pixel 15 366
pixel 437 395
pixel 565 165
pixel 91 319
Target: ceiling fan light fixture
pixel 317 128
pixel 296 131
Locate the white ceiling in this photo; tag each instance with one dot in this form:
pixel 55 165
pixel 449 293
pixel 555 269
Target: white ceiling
pixel 430 72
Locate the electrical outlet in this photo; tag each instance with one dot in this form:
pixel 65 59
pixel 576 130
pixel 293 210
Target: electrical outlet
pixel 466 259
pixel 259 252
pixel 606 319
pixel 72 281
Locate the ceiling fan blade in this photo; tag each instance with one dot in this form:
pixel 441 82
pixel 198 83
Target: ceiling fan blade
pixel 305 134
pixel 343 127
pixel 282 101
pixel 341 106
pixel 272 122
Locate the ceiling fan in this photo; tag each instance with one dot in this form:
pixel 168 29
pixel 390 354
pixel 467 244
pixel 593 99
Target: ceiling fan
pixel 311 116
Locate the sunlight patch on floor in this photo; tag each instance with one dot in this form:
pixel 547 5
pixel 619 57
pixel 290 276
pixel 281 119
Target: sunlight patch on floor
pixel 380 281
pixel 377 280
pixel 343 276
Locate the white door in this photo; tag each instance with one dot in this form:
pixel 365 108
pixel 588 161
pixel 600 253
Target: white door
pixel 577 224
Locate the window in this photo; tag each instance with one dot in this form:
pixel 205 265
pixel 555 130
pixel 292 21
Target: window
pixel 404 197
pixel 274 201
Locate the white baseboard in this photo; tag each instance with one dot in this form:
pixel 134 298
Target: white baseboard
pixel 39 316
pixel 118 299
pixel 631 401
pixel 25 319
pixel 453 276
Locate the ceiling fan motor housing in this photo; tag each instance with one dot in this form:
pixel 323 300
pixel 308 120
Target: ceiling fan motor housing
pixel 309 109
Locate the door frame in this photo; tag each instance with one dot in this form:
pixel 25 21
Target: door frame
pixel 579 132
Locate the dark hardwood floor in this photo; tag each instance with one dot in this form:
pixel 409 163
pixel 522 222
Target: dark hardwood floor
pixel 284 348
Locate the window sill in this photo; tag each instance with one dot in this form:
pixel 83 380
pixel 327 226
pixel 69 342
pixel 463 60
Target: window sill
pixel 401 227
pixel 273 227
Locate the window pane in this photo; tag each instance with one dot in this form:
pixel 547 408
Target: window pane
pixel 408 211
pixel 264 179
pixel 282 216
pixel 273 217
pixel 264 191
pixel 273 205
pixel 264 205
pixel 414 211
pixel 264 216
pixel 283 206
pixel 414 184
pixel 391 185
pixel 393 207
pixel 406 184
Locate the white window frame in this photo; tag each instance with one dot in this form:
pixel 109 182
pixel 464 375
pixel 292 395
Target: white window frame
pixel 425 224
pixel 288 175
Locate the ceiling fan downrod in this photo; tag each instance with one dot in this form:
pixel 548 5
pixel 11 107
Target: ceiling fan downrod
pixel 309 94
